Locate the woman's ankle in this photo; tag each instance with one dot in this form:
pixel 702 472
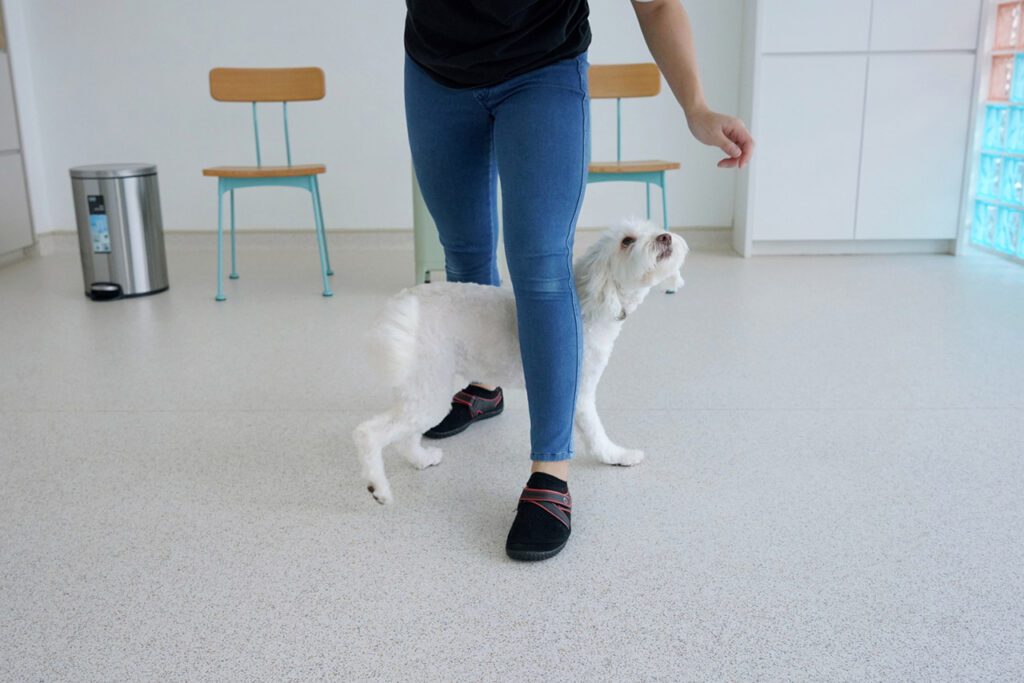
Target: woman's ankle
pixel 556 468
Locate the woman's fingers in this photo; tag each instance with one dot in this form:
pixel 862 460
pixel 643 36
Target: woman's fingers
pixel 743 141
pixel 726 144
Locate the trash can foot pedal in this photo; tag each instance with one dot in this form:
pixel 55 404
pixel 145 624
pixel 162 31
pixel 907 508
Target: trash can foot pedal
pixel 105 291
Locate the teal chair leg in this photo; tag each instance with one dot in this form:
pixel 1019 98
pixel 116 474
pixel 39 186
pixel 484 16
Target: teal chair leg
pixel 234 269
pixel 220 241
pixel 664 201
pixel 648 187
pixel 320 213
pixel 321 240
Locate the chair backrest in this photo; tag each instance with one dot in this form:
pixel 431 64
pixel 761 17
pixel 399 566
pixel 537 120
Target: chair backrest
pixel 616 81
pixel 268 85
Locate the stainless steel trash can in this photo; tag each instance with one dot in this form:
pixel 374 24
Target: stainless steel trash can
pixel 120 230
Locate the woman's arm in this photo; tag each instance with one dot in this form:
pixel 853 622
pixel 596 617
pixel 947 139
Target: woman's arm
pixel 666 28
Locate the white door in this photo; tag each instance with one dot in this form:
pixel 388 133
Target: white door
pixel 809 131
pixel 915 138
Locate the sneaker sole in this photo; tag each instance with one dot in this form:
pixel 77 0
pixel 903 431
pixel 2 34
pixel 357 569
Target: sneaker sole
pixel 486 416
pixel 534 555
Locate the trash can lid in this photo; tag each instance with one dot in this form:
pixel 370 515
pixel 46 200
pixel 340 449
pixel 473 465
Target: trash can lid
pixel 113 170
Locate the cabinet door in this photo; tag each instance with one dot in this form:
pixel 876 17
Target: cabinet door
pixel 816 25
pixel 932 25
pixel 8 123
pixel 15 226
pixel 809 127
pixel 915 138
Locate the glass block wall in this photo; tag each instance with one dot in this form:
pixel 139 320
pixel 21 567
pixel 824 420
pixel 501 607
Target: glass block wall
pixel 998 220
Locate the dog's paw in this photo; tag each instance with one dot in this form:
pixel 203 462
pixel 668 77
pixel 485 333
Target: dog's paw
pixel 380 492
pixel 425 457
pixel 625 457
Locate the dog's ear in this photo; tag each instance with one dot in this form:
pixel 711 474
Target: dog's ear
pixel 599 294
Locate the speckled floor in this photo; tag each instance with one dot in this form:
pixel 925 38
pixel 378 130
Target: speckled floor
pixel 834 487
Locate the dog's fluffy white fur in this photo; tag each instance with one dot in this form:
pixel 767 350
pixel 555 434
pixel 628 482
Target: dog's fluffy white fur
pixel 431 335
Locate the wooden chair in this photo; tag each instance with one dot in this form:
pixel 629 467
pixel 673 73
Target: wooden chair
pixel 618 81
pixel 267 85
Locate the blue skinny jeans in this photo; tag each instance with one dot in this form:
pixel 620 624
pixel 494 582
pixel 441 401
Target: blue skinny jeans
pixel 533 130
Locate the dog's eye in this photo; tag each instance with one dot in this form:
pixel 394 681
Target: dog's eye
pixel 626 241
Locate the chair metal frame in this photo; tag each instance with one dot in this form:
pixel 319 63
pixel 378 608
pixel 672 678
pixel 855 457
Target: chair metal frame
pixel 267 85
pixel 616 81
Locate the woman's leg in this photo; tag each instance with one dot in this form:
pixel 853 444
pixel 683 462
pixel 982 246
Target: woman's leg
pixel 451 139
pixel 541 133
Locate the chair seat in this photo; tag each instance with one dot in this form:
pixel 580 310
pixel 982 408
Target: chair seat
pixel 647 166
pixel 265 171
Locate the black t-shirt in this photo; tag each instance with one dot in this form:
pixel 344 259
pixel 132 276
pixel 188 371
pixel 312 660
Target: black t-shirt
pixel 475 43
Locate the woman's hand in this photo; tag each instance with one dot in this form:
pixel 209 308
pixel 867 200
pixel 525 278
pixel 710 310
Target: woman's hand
pixel 725 132
pixel 666 28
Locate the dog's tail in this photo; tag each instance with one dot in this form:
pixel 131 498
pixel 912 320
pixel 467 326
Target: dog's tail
pixel 392 339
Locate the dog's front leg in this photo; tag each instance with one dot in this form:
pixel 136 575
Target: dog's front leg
pixel 596 440
pixel 588 422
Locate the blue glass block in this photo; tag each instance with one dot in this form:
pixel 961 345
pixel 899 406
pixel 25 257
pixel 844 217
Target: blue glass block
pixel 997 123
pixel 1017 85
pixel 1011 182
pixel 984 224
pixel 990 172
pixel 1013 139
pixel 1008 231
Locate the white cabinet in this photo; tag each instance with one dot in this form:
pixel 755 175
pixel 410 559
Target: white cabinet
pixel 902 25
pixel 915 145
pixel 15 221
pixel 8 121
pixel 809 136
pixel 861 110
pixel 15 224
pixel 816 25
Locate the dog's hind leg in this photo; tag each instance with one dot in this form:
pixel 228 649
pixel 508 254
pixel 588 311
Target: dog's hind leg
pixel 371 438
pixel 403 424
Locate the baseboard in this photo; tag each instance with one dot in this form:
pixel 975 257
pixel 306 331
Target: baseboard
pixel 63 241
pixel 706 239
pixel 849 247
pixel 10 257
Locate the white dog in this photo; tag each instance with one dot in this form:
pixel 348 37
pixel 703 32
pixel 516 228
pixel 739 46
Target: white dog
pixel 430 335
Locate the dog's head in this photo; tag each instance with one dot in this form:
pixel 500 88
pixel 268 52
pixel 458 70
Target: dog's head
pixel 617 272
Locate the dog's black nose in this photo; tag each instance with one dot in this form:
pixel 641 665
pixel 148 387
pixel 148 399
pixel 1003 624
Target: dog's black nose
pixel 664 238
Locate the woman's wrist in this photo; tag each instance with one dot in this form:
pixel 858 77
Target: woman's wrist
pixel 694 108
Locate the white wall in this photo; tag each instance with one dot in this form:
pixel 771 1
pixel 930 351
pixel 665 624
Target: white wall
pixel 126 80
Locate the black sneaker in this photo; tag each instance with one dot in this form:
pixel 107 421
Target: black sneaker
pixel 472 404
pixel 543 519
